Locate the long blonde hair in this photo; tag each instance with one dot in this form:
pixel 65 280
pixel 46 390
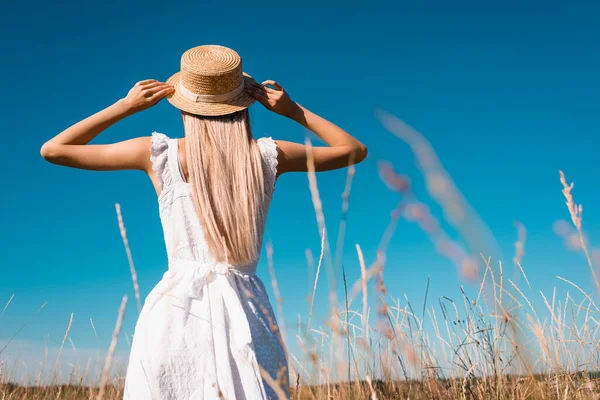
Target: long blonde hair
pixel 225 173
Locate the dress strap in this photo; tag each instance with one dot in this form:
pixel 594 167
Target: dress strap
pixel 174 164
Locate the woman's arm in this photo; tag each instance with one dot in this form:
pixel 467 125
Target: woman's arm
pixel 70 147
pixel 344 149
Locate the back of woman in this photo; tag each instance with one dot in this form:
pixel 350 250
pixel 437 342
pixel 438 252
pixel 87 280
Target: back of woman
pixel 207 329
pixel 228 187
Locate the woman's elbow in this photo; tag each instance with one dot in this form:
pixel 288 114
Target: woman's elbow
pixel 360 153
pixel 49 151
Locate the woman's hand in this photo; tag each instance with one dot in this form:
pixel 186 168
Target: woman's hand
pixel 145 94
pixel 275 99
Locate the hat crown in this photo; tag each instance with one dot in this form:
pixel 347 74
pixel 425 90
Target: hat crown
pixel 211 70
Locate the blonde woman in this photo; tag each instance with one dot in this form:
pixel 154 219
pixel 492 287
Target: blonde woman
pixel 207 329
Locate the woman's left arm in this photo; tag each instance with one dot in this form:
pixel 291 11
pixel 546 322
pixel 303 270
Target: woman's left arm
pixel 70 147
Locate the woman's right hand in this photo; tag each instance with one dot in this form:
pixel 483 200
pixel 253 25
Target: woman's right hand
pixel 145 94
pixel 343 150
pixel 274 98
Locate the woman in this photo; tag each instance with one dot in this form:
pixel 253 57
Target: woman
pixel 207 330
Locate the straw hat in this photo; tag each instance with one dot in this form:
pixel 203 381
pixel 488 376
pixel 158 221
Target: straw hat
pixel 211 82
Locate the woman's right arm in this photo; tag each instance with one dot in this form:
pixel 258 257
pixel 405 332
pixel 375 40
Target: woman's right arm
pixel 344 149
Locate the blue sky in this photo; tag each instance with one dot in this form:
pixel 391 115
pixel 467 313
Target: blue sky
pixel 506 93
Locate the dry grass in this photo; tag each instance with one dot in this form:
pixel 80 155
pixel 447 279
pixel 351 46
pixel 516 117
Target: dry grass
pixel 502 339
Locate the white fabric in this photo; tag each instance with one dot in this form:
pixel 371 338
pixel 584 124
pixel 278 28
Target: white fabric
pixel 206 329
pixel 210 98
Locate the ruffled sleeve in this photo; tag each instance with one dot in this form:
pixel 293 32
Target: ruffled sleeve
pixel 268 151
pixel 159 158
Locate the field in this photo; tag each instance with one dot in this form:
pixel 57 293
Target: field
pixel 492 343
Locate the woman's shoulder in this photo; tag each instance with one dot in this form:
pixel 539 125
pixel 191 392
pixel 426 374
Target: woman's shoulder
pixel 265 142
pixel 159 143
pixel 268 151
pixel 159 138
pixel 267 146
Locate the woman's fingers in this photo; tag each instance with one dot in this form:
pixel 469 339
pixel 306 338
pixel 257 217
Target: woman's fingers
pixel 158 88
pixel 260 96
pixel 160 94
pixel 151 85
pixel 274 84
pixel 146 81
pixel 263 88
pixel 256 88
pixel 147 93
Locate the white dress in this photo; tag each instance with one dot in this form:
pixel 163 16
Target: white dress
pixel 207 330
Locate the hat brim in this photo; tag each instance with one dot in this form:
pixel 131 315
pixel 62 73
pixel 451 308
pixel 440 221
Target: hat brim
pixel 238 103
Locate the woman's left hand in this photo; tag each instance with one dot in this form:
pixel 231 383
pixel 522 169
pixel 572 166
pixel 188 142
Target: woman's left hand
pixel 145 94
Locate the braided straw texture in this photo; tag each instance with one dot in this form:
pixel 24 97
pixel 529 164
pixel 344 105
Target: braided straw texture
pixel 210 70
